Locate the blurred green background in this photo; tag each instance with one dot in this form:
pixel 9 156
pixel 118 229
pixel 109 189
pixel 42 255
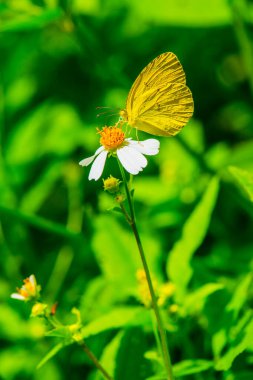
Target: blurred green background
pixel 60 59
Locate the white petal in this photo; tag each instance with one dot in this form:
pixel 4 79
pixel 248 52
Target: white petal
pixel 98 166
pixel 87 161
pixel 132 160
pixel 99 150
pixel 17 296
pixel 32 280
pixel 149 147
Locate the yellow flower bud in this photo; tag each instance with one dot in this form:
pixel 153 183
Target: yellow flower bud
pixel 38 309
pixel 111 184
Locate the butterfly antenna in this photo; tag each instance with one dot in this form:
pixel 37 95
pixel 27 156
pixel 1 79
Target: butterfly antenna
pixel 105 113
pixel 108 109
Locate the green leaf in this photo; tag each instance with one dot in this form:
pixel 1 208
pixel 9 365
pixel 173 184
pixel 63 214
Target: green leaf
pixel 50 354
pixel 229 324
pixel 179 263
pixel 244 179
pixel 27 22
pixel 37 221
pixel 186 367
pixel 60 332
pixel 189 367
pixel 196 300
pixel 118 318
pixel 242 341
pixel 108 359
pixel 192 13
pixel 40 130
pixel 117 254
pixel 133 346
pixel 36 195
pixel 240 295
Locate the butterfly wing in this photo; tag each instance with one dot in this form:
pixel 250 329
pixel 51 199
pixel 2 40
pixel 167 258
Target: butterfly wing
pixel 159 102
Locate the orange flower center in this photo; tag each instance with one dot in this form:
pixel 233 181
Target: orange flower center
pixel 23 293
pixel 28 289
pixel 111 137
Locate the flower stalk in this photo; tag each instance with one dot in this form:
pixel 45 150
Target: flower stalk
pixel 132 222
pixel 30 292
pixel 95 361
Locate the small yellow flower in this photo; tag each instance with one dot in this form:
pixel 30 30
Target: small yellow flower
pixel 30 290
pixel 166 291
pixel 38 309
pixel 143 288
pixel 173 309
pixel 111 184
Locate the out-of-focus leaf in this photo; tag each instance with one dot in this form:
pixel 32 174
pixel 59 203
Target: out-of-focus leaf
pixel 190 13
pixel 118 256
pixel 242 375
pixel 48 129
pixel 117 318
pixel 14 328
pixel 37 221
pixel 27 22
pixel 13 361
pixel 189 367
pixel 51 354
pixel 242 155
pixel 132 347
pixel 159 377
pixel 116 253
pixel 229 323
pixel 240 296
pixel 60 332
pixel 34 197
pixel 108 358
pixel 244 179
pixel 179 262
pixel 194 301
pixel 20 92
pixel 237 346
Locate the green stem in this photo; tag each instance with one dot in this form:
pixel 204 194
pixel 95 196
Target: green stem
pixel 95 361
pixel 156 334
pixel 55 323
pixel 162 332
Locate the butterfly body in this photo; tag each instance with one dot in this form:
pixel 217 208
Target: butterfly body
pixel 159 102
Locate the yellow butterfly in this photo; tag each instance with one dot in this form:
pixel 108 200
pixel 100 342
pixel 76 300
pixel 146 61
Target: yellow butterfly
pixel 159 102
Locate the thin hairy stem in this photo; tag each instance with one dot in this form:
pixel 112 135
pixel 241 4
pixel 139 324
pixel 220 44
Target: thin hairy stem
pixel 95 361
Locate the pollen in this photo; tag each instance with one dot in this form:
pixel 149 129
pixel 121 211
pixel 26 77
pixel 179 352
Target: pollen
pixel 111 137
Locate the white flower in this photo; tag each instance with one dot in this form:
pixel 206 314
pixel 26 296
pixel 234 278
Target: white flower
pixel 29 290
pixel 129 152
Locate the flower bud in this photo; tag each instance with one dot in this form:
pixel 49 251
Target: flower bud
pixel 38 309
pixel 111 184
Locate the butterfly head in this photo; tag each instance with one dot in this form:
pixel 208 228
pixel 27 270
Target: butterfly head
pixel 123 115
